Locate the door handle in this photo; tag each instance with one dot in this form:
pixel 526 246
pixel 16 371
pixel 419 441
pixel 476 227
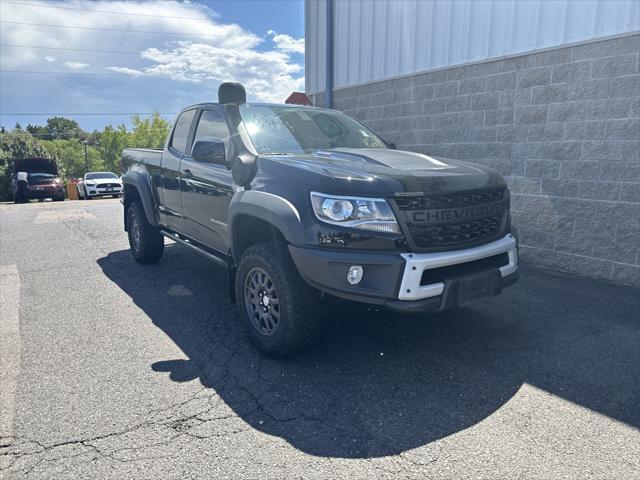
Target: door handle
pixel 186 173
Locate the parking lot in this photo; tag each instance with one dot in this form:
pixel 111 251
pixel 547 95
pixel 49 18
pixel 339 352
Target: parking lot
pixel 114 369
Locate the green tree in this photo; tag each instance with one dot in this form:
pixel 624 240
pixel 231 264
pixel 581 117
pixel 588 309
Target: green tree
pixel 38 131
pixel 16 144
pixel 62 139
pixel 69 154
pixel 149 133
pixel 110 145
pixel 64 128
pixel 93 138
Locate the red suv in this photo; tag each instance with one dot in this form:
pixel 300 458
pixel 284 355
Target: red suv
pixel 42 180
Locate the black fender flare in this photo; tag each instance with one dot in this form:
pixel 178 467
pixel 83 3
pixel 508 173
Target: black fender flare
pixel 142 183
pixel 268 207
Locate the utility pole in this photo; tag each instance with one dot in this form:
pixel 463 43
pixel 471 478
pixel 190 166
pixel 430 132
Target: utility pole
pixel 86 157
pixel 328 89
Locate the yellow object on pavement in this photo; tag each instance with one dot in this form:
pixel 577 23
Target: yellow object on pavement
pixel 72 191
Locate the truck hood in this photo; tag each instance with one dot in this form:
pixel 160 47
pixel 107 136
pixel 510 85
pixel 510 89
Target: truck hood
pixel 370 171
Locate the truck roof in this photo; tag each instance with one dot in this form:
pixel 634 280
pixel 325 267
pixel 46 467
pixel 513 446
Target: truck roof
pixel 256 104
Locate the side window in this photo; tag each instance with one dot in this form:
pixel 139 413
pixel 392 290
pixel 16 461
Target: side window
pixel 181 131
pixel 212 127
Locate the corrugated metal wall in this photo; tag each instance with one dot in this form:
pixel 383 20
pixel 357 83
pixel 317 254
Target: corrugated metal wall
pixel 376 39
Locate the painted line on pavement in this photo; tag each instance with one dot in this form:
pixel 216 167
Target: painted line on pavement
pixel 10 348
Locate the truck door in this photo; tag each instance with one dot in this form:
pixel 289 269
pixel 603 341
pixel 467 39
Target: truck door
pixel 171 209
pixel 206 187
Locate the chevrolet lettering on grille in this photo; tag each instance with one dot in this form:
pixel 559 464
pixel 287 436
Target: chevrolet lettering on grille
pixel 456 214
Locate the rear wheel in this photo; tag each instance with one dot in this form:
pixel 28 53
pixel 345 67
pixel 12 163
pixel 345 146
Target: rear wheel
pixel 282 313
pixel 145 240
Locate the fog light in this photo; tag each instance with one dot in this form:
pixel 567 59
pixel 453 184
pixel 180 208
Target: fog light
pixel 354 274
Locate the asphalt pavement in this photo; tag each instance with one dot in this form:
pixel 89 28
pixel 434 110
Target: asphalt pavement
pixel 112 369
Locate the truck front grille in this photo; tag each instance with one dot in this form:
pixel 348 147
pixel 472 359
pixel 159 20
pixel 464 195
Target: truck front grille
pixel 452 200
pixel 456 220
pixel 425 236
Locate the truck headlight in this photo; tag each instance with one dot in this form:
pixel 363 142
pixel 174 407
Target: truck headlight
pixel 373 214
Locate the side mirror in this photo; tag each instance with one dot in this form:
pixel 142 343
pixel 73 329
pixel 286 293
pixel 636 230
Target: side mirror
pixel 392 145
pixel 209 151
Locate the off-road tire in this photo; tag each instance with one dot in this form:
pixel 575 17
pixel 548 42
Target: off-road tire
pixel 300 306
pixel 145 241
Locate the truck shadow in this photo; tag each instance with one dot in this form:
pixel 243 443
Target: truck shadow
pixel 379 384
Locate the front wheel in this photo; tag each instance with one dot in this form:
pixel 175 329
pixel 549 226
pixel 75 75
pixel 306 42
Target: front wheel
pixel 282 313
pixel 145 240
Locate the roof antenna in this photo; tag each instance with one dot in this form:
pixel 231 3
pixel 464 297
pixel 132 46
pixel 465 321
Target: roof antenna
pixel 231 92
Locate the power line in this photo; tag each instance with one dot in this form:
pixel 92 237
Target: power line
pixel 89 50
pixel 68 49
pixel 109 29
pixel 145 14
pixel 54 114
pixel 170 17
pixel 81 133
pixel 106 74
pixel 59 7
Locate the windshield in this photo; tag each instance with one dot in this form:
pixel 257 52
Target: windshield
pixel 283 130
pixel 94 176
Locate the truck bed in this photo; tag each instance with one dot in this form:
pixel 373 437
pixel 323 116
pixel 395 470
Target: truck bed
pixel 146 156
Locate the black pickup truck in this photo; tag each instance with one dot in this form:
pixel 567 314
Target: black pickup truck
pixel 299 203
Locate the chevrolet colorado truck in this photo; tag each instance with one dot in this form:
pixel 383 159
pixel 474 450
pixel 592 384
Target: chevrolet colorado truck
pixel 301 202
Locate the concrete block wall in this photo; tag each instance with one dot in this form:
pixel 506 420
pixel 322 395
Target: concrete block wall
pixel 563 127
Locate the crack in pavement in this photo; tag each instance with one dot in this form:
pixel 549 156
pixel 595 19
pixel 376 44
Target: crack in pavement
pixel 25 454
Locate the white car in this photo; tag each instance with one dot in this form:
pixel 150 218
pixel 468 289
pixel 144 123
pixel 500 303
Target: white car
pixel 99 184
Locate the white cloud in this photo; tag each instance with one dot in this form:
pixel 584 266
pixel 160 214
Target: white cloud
pixel 128 71
pixel 287 43
pixel 76 65
pixel 191 44
pixel 268 76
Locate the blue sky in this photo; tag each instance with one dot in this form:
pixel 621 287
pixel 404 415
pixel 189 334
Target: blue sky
pixel 104 63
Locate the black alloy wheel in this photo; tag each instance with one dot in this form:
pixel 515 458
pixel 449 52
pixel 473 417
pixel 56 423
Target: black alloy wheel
pixel 262 301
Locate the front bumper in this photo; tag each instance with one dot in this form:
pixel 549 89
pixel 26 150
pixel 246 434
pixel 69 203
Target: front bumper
pixel 46 192
pixel 99 192
pixel 413 282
